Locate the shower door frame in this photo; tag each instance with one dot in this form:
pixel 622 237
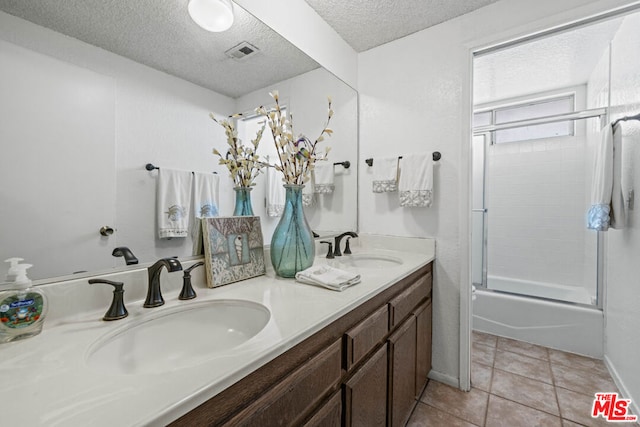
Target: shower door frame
pixel 518 35
pixel 487 132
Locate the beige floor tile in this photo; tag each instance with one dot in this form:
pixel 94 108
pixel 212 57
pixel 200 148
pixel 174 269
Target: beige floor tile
pixel 484 339
pixel 483 354
pixel 567 423
pixel 525 348
pixel 428 416
pixel 481 376
pixel 528 392
pixel 525 366
pixel 470 406
pixel 577 361
pixel 505 413
pixel 577 407
pixel 582 381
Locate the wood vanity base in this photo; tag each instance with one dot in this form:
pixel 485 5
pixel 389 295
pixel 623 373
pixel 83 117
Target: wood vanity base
pixel 365 369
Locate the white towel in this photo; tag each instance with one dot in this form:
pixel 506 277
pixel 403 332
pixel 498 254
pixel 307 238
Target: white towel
pixel 308 192
pixel 275 192
pixel 323 176
pixel 328 277
pixel 205 195
pixel 416 181
pixel 173 203
pixel 205 205
pixel 385 175
pixel 607 208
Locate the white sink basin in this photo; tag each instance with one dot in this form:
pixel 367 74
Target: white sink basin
pixel 369 261
pixel 178 337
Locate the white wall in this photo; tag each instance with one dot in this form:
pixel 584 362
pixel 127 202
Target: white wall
pixel 415 97
pixel 622 316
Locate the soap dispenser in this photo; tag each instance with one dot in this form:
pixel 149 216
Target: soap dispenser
pixel 22 307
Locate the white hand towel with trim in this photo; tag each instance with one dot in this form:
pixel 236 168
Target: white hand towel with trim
pixel 275 192
pixel 206 194
pixel 323 174
pixel 328 277
pixel 385 175
pixel 416 181
pixel 173 202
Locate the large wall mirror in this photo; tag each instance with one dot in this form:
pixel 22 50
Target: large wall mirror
pixel 92 91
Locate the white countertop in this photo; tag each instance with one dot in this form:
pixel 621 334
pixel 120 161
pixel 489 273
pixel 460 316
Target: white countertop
pixel 46 381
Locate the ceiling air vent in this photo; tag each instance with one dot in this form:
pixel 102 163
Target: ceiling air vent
pixel 242 51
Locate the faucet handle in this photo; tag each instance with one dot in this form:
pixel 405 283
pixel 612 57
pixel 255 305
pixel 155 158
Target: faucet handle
pixel 187 290
pixel 330 253
pixel 347 248
pixel 117 310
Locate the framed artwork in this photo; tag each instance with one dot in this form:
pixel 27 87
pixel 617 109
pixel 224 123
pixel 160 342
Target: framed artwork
pixel 233 249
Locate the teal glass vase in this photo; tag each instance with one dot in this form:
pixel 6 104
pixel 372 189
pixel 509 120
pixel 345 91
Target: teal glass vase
pixel 243 202
pixel 292 245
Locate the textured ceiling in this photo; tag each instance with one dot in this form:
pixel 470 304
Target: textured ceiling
pixel 554 62
pixel 160 34
pixel 365 24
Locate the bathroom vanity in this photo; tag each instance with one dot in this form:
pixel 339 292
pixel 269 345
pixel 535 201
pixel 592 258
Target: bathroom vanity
pixel 360 356
pixel 369 365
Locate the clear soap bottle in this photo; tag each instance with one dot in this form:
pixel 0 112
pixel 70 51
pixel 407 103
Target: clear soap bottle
pixel 22 306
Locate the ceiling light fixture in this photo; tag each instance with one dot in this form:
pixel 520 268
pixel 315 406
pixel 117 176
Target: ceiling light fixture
pixel 212 15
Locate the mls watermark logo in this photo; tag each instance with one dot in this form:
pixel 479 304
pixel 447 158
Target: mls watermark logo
pixel 612 408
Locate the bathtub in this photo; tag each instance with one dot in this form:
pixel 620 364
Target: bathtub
pixel 540 289
pixel 563 326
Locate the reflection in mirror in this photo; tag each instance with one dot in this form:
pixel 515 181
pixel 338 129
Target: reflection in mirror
pixel 85 117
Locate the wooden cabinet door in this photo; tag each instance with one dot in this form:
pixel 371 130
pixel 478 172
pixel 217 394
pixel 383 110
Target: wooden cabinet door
pixel 329 414
pixel 402 373
pixel 366 393
pixel 423 345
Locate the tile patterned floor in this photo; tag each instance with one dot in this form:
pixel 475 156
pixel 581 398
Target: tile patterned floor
pixel 518 384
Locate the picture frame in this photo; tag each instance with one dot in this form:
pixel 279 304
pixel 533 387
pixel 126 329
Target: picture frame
pixel 233 249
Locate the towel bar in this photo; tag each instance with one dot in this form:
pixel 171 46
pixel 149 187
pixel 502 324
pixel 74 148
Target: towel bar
pixel 435 155
pixel 151 166
pixel 346 164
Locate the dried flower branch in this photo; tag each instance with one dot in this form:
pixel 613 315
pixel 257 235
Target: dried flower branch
pixel 297 155
pixel 242 161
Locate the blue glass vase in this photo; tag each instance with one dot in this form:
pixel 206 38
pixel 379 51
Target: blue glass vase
pixel 292 244
pixel 243 202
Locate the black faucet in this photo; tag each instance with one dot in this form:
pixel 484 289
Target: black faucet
pixel 154 296
pixel 124 251
pixel 117 310
pixel 336 247
pixel 187 290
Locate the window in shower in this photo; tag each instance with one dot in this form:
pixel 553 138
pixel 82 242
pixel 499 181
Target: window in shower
pixel 529 110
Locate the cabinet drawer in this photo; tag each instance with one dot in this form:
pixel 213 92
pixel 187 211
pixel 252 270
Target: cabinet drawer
pixel 292 399
pixel 362 338
pixel 402 305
